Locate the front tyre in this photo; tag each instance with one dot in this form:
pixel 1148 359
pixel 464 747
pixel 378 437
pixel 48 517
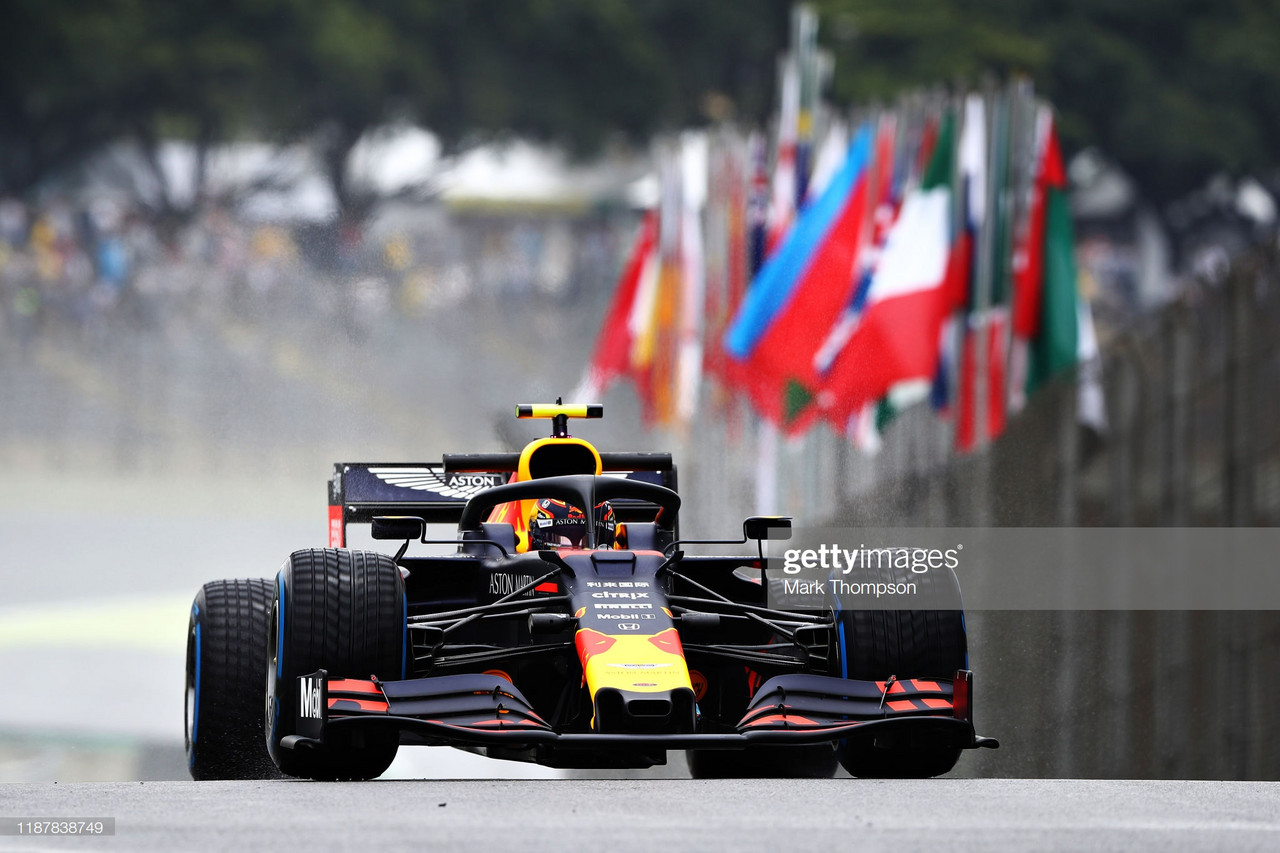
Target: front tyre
pixel 226 678
pixel 872 645
pixel 344 612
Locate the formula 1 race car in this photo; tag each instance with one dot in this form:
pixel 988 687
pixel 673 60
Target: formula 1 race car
pixel 571 627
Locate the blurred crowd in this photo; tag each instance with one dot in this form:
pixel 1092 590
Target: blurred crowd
pixel 98 268
pixel 92 269
pixel 83 270
pixel 66 265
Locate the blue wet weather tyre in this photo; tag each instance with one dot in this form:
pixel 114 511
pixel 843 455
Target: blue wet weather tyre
pixel 344 612
pixel 226 680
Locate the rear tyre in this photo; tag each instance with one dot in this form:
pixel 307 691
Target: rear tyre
pixel 344 612
pixel 875 644
pixel 226 680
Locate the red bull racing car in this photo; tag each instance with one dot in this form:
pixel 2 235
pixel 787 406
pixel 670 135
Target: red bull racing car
pixel 572 626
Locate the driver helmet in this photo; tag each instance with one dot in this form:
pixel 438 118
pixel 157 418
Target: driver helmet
pixel 555 524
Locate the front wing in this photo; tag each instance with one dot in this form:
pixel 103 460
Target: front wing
pixel 488 710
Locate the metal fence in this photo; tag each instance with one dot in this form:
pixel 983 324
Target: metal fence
pixel 1193 400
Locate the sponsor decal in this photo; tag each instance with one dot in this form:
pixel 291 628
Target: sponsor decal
pixel 504 583
pixel 475 481
pixel 640 665
pixel 631 595
pixel 668 641
pixel 591 643
pixel 309 699
pixel 462 486
pixel 628 626
pixel 335 527
pixel 626 606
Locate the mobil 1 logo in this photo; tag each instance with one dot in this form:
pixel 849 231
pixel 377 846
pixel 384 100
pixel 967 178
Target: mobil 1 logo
pixel 311 698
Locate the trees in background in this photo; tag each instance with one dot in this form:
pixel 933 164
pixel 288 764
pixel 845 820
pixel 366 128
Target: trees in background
pixel 1174 90
pixel 74 75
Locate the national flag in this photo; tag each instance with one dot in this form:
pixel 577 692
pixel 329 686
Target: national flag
pixel 973 206
pixel 1055 346
pixel 800 291
pixel 612 355
pixel 726 368
pixel 782 205
pixel 757 204
pixel 661 361
pixel 868 425
pixel 865 424
pixel 729 216
pixel 730 193
pixel 892 328
pixel 830 157
pixel 983 331
pixel 996 314
pixel 1046 315
pixel 693 196
pixel 773 203
pixel 1091 404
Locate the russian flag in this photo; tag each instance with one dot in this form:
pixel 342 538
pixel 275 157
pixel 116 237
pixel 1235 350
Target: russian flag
pixel 800 292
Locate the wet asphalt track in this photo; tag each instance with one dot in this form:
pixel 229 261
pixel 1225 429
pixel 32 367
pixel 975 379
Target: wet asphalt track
pixel 614 816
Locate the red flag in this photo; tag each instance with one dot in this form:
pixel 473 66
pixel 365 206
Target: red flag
pixel 612 355
pixel 1028 281
pixel 1029 263
pixel 997 354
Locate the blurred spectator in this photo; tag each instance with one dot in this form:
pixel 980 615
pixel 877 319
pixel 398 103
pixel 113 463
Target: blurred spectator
pixel 91 267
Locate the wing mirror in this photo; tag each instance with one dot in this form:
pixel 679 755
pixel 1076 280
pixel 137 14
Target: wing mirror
pixel 773 527
pixel 410 527
pixel 398 527
pixel 757 527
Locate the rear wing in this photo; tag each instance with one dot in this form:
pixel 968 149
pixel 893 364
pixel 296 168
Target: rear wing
pixel 437 491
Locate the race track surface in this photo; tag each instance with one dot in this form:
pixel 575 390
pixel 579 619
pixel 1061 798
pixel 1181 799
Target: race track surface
pixel 614 816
